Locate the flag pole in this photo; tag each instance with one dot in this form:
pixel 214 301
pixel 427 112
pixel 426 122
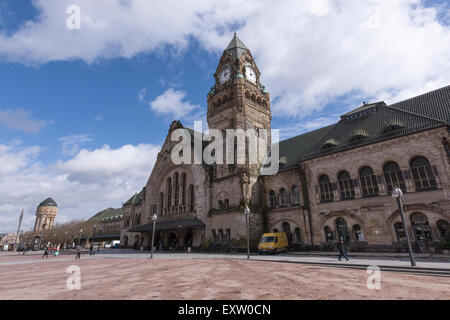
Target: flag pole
pixel 18 232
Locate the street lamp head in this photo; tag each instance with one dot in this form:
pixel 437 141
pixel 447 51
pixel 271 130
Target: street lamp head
pixel 397 192
pixel 154 217
pixel 246 210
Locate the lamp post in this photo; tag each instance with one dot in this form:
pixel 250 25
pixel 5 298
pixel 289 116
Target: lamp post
pixel 40 236
pixel 247 215
pixel 93 236
pixel 79 238
pixel 398 194
pixel 154 218
pixel 101 231
pixel 65 240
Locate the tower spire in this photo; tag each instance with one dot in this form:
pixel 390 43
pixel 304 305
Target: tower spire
pixel 236 47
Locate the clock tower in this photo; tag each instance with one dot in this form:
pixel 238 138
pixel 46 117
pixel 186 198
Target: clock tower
pixel 238 100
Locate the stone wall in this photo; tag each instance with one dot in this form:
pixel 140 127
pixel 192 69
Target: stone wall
pixel 377 215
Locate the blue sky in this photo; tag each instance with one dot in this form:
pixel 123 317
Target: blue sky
pixel 71 101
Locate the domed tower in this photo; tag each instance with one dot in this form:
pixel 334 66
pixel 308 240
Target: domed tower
pixel 45 215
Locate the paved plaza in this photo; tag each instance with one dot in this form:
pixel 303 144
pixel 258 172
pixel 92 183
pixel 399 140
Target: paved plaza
pixel 126 275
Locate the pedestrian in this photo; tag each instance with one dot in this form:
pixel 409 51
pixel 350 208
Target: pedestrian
pixel 45 252
pixel 160 247
pixel 78 252
pixel 91 249
pixel 24 249
pixel 342 252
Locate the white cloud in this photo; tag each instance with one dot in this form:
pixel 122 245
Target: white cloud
pixel 171 103
pixel 313 51
pixel 71 144
pixel 89 182
pixel 142 93
pixel 20 119
pixel 295 129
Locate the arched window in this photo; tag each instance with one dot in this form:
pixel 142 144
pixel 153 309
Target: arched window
pixel 183 189
pixel 287 229
pixel 272 199
pixel 341 229
pixel 326 190
pixel 329 236
pixel 400 231
pixel 421 227
pixel 422 173
pixel 283 197
pixel 357 232
pixel 177 188
pixel 444 229
pixel 369 183
pixel 226 203
pixel 298 235
pixel 161 202
pixel 346 186
pixel 192 197
pixel 393 176
pixel 295 195
pixel 169 193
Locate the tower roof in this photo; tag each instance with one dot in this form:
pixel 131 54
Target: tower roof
pixel 236 47
pixel 49 202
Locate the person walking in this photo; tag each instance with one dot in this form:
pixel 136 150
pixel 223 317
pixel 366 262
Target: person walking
pixel 45 252
pixel 78 252
pixel 91 250
pixel 342 252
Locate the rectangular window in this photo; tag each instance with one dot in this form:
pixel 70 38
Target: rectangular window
pixel 221 236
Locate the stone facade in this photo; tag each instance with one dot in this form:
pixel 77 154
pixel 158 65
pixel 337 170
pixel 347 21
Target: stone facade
pixel 376 216
pixel 212 197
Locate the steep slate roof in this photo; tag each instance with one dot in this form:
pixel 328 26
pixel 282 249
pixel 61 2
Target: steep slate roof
pixel 236 47
pixel 109 213
pixel 377 122
pixel 292 148
pixel 49 202
pixel 136 199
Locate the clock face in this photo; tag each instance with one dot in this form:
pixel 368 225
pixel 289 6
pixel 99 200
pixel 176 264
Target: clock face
pixel 225 75
pixel 250 74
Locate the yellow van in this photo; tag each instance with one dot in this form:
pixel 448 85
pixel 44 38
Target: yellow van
pixel 273 242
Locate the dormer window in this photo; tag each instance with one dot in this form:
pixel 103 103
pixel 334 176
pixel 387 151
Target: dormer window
pixel 393 125
pixel 330 143
pixel 359 134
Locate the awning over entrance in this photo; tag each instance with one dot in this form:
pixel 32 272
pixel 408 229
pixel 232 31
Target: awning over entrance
pixel 171 224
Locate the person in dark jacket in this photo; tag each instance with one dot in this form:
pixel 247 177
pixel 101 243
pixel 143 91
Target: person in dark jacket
pixel 78 252
pixel 91 249
pixel 45 252
pixel 342 252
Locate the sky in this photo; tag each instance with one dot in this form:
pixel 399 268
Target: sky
pixel 84 112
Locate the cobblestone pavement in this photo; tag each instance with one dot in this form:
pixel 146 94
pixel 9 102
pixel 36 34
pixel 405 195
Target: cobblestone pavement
pixel 202 276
